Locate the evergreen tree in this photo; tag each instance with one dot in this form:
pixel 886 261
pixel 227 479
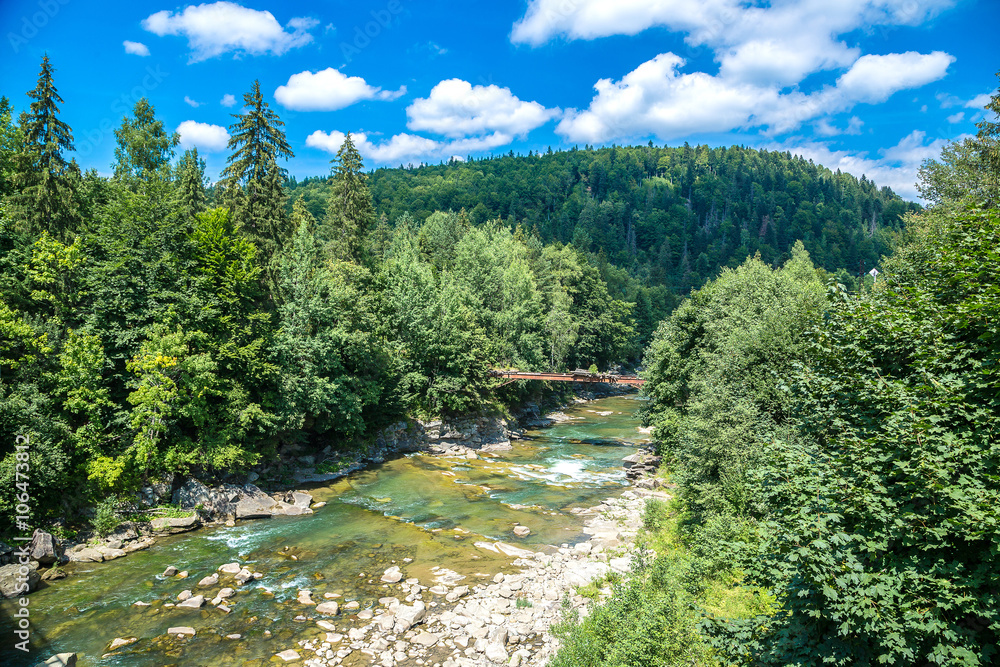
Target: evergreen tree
pixel 190 194
pixel 9 141
pixel 349 215
pixel 259 142
pixel 144 148
pixel 46 200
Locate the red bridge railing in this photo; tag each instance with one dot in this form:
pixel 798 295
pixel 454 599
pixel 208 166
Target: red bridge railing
pixel 575 376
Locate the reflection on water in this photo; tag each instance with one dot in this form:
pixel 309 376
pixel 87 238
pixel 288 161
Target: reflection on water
pixel 415 511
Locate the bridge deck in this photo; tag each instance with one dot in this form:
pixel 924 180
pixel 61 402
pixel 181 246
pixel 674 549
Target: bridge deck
pixel 607 378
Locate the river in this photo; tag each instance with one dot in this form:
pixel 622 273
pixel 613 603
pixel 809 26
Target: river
pixel 416 511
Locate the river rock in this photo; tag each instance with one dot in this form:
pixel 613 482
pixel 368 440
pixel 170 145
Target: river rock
pixel 184 595
pixel 392 575
pixel 181 630
pixel 60 660
pixel 299 499
pixel 305 597
pixel 226 593
pixel 457 593
pixel 192 603
pixel 254 508
pixel 289 655
pixel 10 580
pixel 496 652
pixel 210 580
pixel 243 576
pixel 521 531
pixel 329 608
pixel 111 554
pixel 44 548
pixel 170 571
pixel 118 642
pixel 425 639
pixel 230 568
pixel 53 573
pixel 85 555
pixel 408 616
pixel 172 525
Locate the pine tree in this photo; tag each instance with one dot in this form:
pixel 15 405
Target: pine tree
pixel 46 200
pixel 350 214
pixel 9 141
pixel 259 142
pixel 190 177
pixel 144 147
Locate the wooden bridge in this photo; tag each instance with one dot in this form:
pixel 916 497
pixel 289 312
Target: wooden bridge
pixel 575 376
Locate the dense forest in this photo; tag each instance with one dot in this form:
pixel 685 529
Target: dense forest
pixel 151 323
pixel 835 455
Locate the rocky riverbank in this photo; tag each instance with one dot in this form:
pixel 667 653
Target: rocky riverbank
pixel 450 620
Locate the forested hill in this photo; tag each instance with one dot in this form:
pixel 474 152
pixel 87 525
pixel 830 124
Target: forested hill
pixel 672 216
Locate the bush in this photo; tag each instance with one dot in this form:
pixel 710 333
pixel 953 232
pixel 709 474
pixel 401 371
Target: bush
pixel 106 519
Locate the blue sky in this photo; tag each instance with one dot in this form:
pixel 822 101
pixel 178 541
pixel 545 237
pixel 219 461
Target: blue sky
pixel 869 86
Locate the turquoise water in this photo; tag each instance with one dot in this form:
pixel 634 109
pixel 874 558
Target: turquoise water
pixel 430 510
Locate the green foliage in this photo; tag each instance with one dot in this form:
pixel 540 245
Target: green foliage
pixel 46 185
pixel 349 215
pixel 106 517
pixel 190 195
pixel 144 148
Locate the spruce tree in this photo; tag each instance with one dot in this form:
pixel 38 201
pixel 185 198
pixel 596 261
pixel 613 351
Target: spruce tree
pixel 350 214
pixel 190 182
pixel 46 198
pixel 144 147
pixel 9 142
pixel 259 142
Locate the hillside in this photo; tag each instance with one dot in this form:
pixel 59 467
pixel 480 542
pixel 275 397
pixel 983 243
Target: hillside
pixel 671 216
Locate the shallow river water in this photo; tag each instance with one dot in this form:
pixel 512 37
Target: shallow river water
pixel 431 510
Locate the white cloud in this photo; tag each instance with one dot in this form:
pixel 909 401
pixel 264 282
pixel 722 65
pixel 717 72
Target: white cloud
pixel 456 108
pixel 657 99
pixel 328 90
pixel 875 78
pixel 956 117
pixel 204 136
pixel 136 48
pixel 405 147
pixel 896 167
pixel 223 27
pixel 979 101
pixel 189 101
pixel 776 42
pixel 228 100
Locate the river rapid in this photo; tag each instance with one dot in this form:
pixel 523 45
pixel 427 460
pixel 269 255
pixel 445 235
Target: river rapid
pixel 419 512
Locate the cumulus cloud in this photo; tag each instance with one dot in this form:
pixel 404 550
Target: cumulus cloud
pixel 777 42
pixel 190 102
pixel 228 100
pixel 895 167
pixel 136 48
pixel 328 90
pixel 875 78
pixel 405 147
pixel 223 27
pixel 204 136
pixel 657 99
pixel 456 108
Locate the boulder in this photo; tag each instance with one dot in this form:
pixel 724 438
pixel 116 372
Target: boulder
pixel 192 603
pixel 192 494
pixel 210 580
pixel 522 531
pixel 170 571
pixel 299 499
pixel 172 525
pixel 111 554
pixel 289 655
pixel 392 575
pixel 230 568
pixel 457 593
pixel 254 508
pixel 44 548
pixel 408 616
pixel 328 608
pixel 60 660
pixel 85 555
pixel 11 582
